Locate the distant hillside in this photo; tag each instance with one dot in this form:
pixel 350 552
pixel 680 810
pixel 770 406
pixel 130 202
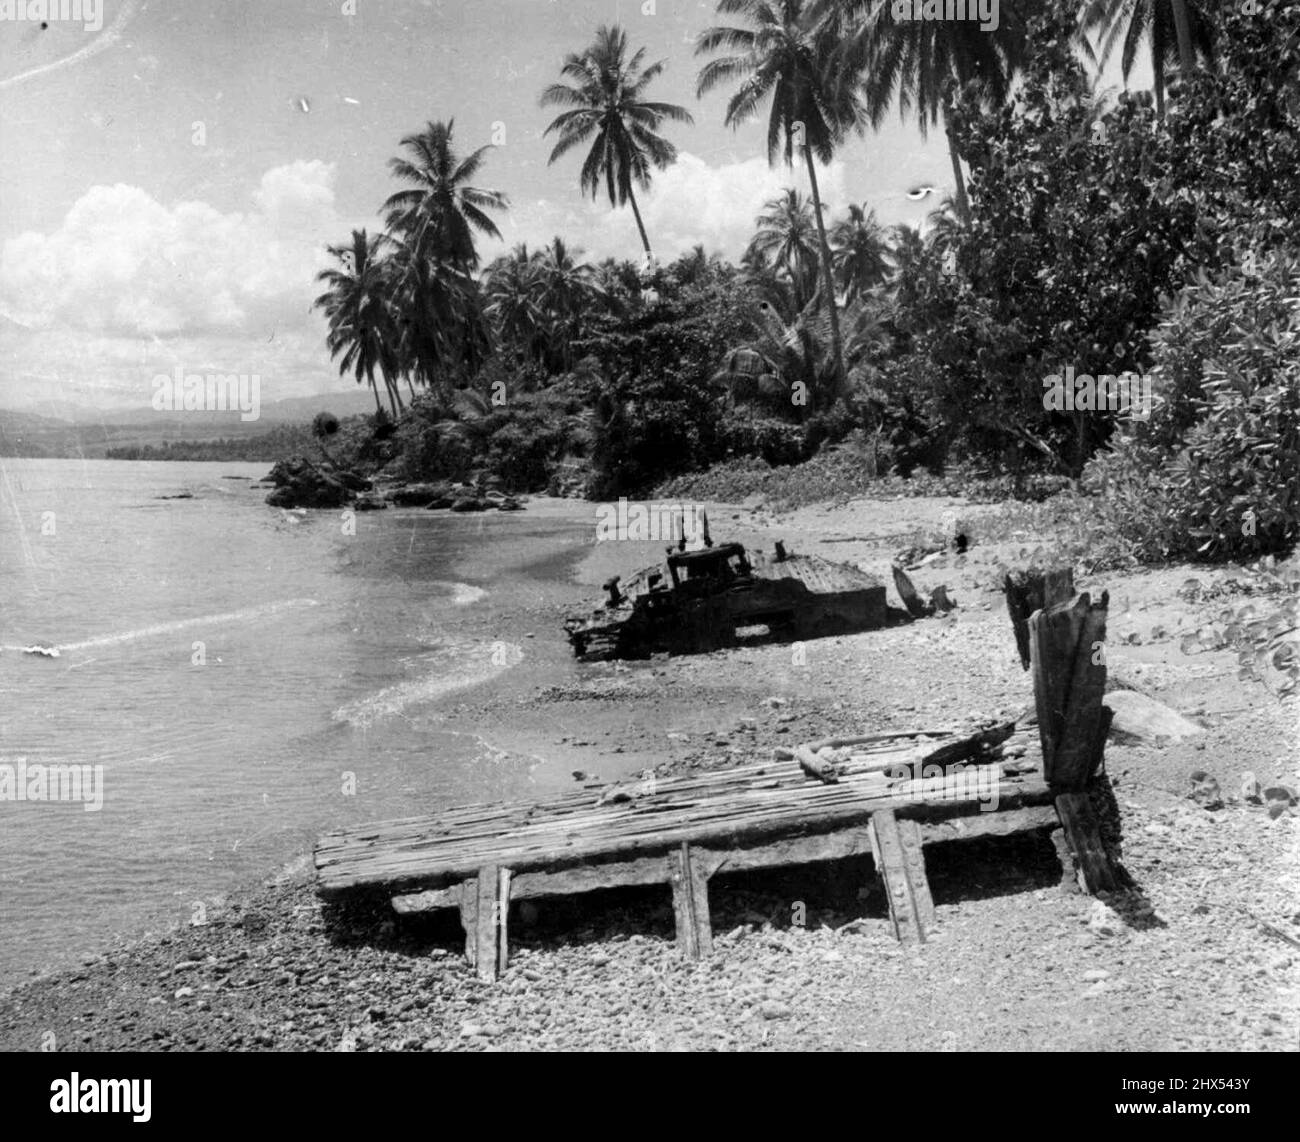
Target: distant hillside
pixel 281 428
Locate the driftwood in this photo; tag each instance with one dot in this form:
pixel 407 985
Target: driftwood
pixel 907 592
pixel 968 747
pixel 1030 591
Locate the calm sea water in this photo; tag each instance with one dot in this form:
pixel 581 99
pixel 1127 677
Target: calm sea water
pixel 234 668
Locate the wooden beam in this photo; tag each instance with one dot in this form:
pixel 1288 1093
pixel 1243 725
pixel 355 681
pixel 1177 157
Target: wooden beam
pixel 691 904
pixel 1083 835
pixel 998 824
pixel 908 900
pixel 468 892
pixel 488 924
pixel 909 833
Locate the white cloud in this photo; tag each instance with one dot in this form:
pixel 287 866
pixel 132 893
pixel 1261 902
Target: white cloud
pixel 121 262
pixel 690 203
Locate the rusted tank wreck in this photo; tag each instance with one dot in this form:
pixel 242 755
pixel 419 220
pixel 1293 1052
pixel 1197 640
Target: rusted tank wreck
pixel 714 596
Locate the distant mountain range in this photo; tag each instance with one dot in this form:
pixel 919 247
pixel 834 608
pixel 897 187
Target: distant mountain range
pixel 90 432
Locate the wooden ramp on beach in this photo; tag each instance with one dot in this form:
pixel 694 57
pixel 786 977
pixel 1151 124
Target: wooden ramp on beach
pixel 883 795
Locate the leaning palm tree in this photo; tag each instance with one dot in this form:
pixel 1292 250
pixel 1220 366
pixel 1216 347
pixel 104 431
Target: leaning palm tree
pixel 358 306
pixel 911 62
pixel 440 213
pixel 787 239
pixel 1174 30
pixel 784 54
pixel 859 252
pixel 606 108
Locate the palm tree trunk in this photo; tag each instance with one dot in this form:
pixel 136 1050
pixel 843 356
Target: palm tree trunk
pixel 636 212
pixel 1185 55
pixel 963 204
pixel 828 283
pixel 1158 82
pixel 374 388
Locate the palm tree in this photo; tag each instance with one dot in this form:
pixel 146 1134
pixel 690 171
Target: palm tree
pixel 787 239
pixel 912 62
pixel 860 254
pixel 944 224
pixel 566 290
pixel 510 290
pixel 1173 29
pixel 440 213
pixel 359 308
pixel 785 53
pixel 606 108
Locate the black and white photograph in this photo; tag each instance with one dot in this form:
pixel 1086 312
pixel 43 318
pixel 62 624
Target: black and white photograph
pixel 651 526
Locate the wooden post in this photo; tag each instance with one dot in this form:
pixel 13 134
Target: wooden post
pixel 1066 648
pixel 690 884
pixel 484 906
pixel 896 848
pixel 1030 591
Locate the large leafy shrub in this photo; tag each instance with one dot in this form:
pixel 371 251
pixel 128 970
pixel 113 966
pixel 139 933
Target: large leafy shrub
pixel 1215 473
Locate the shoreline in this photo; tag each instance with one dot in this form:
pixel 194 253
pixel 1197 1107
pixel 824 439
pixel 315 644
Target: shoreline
pixel 274 969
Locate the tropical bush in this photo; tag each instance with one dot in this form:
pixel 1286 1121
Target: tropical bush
pixel 1216 472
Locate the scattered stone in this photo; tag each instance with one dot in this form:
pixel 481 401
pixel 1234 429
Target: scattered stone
pixel 1250 789
pixel 1104 920
pixel 1138 717
pixel 772 1009
pixel 1205 791
pixel 1095 975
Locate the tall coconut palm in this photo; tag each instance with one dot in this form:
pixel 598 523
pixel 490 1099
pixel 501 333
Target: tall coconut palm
pixel 442 336
pixel 440 213
pixel 606 108
pixel 786 238
pixel 566 290
pixel 359 308
pixel 911 62
pixel 859 252
pixel 1173 29
pixel 785 54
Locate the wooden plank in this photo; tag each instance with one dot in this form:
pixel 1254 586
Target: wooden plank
pixel 650 870
pixel 487 923
pixel 887 847
pixel 1053 641
pixel 691 905
pixel 1084 838
pixel 821 808
pixel 999 824
pixel 909 834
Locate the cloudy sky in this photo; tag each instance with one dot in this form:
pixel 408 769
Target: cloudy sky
pixel 170 179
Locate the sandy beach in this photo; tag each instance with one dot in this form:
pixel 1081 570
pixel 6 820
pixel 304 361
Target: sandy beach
pixel 1018 963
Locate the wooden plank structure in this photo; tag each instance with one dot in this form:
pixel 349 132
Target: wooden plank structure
pixel 883 794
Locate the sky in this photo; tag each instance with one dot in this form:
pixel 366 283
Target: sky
pixel 172 172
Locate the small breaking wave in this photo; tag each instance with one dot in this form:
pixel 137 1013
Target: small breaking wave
pixel 457 669
pixel 462 594
pixel 168 628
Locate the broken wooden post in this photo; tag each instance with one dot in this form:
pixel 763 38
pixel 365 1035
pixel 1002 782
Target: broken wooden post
pixel 1069 668
pixel 1033 590
pixel 1066 642
pixel 896 849
pixel 690 881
